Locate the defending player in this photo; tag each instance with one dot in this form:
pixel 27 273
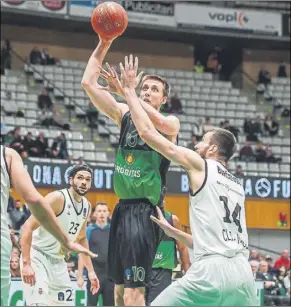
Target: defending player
pixel 43 268
pixel 220 274
pixel 14 174
pixel 139 180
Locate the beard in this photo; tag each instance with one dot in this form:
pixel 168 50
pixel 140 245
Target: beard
pixel 78 191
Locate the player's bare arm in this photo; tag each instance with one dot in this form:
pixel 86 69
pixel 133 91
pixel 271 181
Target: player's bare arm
pixel 168 125
pixel 183 251
pixel 22 183
pixel 101 98
pixel 56 201
pixel 86 260
pixel 171 231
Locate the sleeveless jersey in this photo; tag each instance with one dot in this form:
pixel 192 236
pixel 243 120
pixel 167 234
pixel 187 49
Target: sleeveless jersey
pixel 166 254
pixel 140 171
pixel 5 186
pixel 217 214
pixel 71 218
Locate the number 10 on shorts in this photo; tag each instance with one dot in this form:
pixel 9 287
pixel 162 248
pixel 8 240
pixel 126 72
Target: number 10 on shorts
pixel 138 273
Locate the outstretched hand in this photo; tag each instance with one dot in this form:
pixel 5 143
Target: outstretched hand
pixel 129 77
pixel 162 222
pixel 113 83
pixel 78 248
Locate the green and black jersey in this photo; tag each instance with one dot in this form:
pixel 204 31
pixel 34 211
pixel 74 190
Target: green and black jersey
pixel 140 171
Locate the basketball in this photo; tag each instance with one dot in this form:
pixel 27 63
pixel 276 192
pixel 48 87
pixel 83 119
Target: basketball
pixel 109 20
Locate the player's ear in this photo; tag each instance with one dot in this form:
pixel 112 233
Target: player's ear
pixel 213 149
pixel 164 99
pixel 71 180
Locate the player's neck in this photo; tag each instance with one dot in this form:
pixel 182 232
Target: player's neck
pixel 101 224
pixel 75 195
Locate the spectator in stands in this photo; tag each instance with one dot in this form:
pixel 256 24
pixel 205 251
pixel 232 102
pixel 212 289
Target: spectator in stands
pixel 213 65
pixel 14 267
pixel 239 172
pixel 246 153
pixel 46 59
pixel 13 237
pixel 17 216
pixel 176 105
pixel 15 252
pixel 80 161
pixel 207 125
pixel 282 72
pixel 8 138
pixel 41 144
pixel 283 260
pixel 270 158
pixel 5 56
pixel 234 130
pixel 271 268
pixel 59 147
pixel 271 284
pixel 17 143
pixel 257 126
pixel 35 56
pixel 71 270
pixel 260 152
pixel 44 101
pixel 198 129
pixel 193 142
pixel 92 114
pixel 271 126
pixel 29 145
pixel 285 113
pixel 198 67
pixel 286 282
pixel 254 255
pixel 281 273
pixel 70 160
pixel 255 267
pixel 264 76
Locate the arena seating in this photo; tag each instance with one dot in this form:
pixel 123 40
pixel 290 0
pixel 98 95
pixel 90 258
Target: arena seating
pixel 201 96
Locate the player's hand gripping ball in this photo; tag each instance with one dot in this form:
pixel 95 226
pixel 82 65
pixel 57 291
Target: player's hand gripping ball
pixel 109 20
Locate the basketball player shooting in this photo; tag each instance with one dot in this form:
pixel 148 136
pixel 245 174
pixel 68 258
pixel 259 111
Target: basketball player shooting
pixel 14 174
pixel 44 271
pixel 139 179
pixel 220 274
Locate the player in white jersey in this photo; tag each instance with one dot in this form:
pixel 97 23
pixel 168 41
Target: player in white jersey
pixel 44 271
pixel 220 274
pixel 13 174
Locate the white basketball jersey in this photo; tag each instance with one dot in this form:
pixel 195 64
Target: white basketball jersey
pixel 217 214
pixel 71 218
pixel 5 186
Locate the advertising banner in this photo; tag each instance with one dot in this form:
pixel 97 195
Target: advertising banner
pixel 51 7
pixel 190 15
pixel 16 294
pixel 141 12
pixel 56 176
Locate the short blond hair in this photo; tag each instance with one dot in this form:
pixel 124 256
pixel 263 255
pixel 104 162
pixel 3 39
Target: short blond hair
pixel 166 90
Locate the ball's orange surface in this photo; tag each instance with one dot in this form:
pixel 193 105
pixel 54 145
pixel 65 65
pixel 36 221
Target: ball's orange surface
pixel 109 20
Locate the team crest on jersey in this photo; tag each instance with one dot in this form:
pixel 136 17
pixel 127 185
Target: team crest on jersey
pixel 128 274
pixel 85 213
pixel 61 296
pixel 129 159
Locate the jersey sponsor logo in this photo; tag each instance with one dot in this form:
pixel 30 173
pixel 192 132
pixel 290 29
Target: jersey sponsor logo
pixel 61 296
pixel 134 173
pixel 227 175
pixel 159 256
pixel 129 159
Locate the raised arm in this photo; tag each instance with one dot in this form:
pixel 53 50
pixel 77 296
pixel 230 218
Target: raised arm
pixel 101 98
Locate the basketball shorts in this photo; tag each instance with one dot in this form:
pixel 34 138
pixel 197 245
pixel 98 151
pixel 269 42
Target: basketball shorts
pixel 133 242
pixel 212 281
pixel 53 285
pixel 159 281
pixel 6 247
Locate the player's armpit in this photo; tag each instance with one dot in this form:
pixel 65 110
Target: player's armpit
pixel 56 200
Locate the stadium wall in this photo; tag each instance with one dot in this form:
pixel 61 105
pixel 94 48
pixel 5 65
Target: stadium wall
pixel 79 46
